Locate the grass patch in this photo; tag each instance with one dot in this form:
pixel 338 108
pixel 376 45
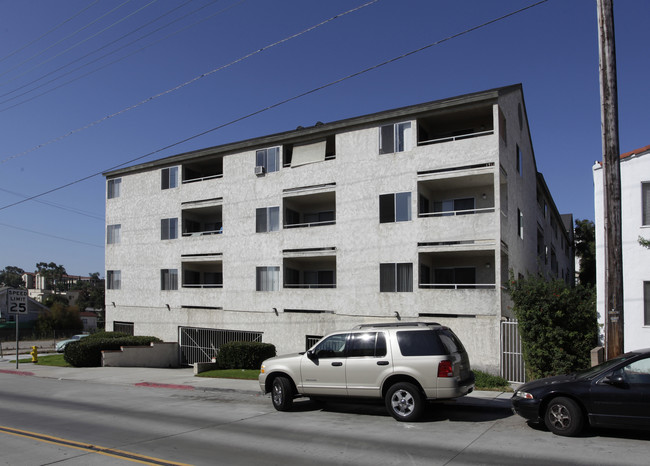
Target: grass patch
pixel 49 360
pixel 485 381
pixel 246 374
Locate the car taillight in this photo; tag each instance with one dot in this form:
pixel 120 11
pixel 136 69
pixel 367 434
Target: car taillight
pixel 445 369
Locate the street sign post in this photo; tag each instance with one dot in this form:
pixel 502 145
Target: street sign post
pixel 17 304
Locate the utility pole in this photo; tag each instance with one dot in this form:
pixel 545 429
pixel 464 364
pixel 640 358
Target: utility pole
pixel 611 182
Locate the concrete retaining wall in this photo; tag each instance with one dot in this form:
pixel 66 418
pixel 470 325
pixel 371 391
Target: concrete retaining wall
pixel 156 355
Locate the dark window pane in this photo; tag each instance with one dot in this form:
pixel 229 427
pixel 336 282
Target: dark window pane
pixel 386 208
pixel 362 345
pixel 331 347
pixel 260 220
pixel 387 139
pixel 402 207
pixel 404 277
pixel 419 343
pixel 387 277
pixel 380 347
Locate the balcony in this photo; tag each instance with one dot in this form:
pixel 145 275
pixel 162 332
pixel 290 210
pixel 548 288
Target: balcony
pixel 309 210
pixel 203 274
pixel 204 169
pixel 455 125
pixel 462 270
pixel 201 221
pixel 310 272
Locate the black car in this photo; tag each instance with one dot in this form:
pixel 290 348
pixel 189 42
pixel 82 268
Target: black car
pixel 613 394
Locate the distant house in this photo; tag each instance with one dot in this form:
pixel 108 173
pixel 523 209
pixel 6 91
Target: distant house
pixel 39 289
pixel 635 219
pixel 89 319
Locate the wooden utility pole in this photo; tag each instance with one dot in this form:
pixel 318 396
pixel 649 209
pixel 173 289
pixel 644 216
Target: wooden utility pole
pixel 611 182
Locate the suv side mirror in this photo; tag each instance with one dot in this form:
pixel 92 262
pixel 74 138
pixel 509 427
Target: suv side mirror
pixel 311 355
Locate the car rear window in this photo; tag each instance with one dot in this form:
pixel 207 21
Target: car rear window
pixel 419 343
pixel 451 341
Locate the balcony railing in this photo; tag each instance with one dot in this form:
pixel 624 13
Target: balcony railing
pixel 453 213
pixel 310 224
pixel 458 286
pixel 202 285
pixel 211 177
pixel 455 138
pixel 203 233
pixel 309 285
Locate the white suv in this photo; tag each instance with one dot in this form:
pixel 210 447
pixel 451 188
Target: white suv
pixel 403 363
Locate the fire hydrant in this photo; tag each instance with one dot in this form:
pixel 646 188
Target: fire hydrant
pixel 34 353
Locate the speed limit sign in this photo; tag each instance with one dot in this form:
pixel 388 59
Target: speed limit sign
pixel 17 301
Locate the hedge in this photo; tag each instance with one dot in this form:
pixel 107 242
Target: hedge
pixel 87 352
pixel 244 354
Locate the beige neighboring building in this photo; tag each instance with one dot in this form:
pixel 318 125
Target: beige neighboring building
pixel 416 213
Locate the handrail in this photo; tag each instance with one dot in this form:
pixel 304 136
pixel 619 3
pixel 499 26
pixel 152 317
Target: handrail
pixel 202 233
pixel 457 286
pixel 453 213
pixel 202 285
pixel 310 224
pixel 211 177
pixel 309 286
pixel 455 138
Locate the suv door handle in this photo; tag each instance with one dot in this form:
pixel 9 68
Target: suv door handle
pixel 382 363
pixel 337 364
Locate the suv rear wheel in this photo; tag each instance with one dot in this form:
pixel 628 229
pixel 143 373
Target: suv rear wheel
pixel 282 394
pixel 404 402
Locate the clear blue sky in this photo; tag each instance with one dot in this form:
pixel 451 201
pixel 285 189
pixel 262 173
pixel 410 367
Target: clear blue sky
pixel 552 49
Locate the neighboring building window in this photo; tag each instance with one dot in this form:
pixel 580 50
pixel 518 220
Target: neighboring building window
pixel 267 219
pixel 113 279
pixel 394 207
pixel 520 223
pixel 169 178
pixel 396 277
pixel 169 228
pixel 646 303
pixel 519 160
pixel 169 279
pixel 645 191
pixel 268 278
pixel 113 189
pixel 269 159
pixel 113 234
pixel 395 138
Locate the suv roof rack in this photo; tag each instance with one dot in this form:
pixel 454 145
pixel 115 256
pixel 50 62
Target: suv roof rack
pixel 396 324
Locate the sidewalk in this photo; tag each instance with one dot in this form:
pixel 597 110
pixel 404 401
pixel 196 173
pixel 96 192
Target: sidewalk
pixel 184 379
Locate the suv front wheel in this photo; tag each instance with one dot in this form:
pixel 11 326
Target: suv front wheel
pixel 404 402
pixel 282 394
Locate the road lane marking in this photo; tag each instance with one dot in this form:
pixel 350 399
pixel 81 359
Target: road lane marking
pixel 126 455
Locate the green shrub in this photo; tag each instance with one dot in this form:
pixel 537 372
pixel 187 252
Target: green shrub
pixel 87 352
pixel 485 381
pixel 244 354
pixel 558 325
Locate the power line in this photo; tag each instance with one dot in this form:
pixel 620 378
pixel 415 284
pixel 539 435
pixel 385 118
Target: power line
pixel 51 236
pixel 290 99
pixel 20 49
pixel 108 54
pixel 58 206
pixel 187 83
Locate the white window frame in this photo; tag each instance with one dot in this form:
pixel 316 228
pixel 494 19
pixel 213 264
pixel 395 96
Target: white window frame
pixel 520 223
pixel 113 279
pixel 169 178
pixel 267 278
pixel 168 279
pixel 396 197
pixel 397 277
pixel 268 158
pixel 168 228
pixel 401 139
pixel 113 188
pixel 271 219
pixel 114 234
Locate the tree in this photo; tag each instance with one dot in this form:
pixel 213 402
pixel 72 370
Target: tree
pixel 558 324
pixel 53 274
pixel 585 240
pixel 62 319
pixel 91 293
pixel 12 276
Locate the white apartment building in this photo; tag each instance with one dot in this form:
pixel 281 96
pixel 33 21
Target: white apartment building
pixel 414 214
pixel 635 224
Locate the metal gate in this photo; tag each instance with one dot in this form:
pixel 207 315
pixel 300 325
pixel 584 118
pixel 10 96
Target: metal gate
pixel 202 344
pixel 512 358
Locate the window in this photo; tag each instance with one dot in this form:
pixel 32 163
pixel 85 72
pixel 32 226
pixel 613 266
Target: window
pixel 268 278
pixel 646 303
pixel 267 219
pixel 113 279
pixel 419 343
pixel 331 347
pixel 370 344
pixel 169 279
pixel 519 160
pixel 645 189
pixel 113 189
pixel 269 159
pixel 394 207
pixel 113 234
pixel 395 138
pixel 169 228
pixel 520 223
pixel 169 178
pixel 395 277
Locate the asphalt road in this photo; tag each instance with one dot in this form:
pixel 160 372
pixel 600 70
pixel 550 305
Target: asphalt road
pixel 46 421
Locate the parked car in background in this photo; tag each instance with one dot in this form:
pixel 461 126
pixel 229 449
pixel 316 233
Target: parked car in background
pixel 60 346
pixel 405 364
pixel 613 394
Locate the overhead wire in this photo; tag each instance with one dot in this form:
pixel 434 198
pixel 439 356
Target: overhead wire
pixel 282 102
pixel 108 54
pixel 57 206
pixel 77 44
pixel 187 83
pixel 51 236
pixel 61 24
pixel 62 40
